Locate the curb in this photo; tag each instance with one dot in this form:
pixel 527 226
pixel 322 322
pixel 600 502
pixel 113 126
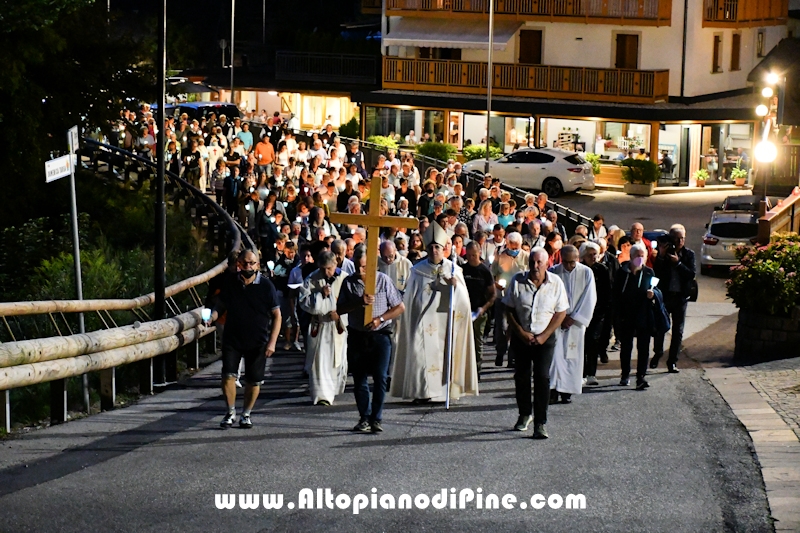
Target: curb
pixel 776 444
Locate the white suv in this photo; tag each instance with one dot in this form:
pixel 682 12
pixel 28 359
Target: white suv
pixel 551 170
pixel 727 231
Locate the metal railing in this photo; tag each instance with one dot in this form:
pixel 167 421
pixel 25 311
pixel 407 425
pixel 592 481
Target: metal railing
pixel 321 67
pixel 26 361
pixel 591 10
pixel 537 81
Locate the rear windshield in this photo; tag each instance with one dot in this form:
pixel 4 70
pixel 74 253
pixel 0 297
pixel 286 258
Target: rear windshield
pixel 574 159
pixel 734 230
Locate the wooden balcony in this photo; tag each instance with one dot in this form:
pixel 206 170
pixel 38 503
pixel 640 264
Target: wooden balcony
pixel 321 67
pixel 532 81
pixel 618 12
pixel 745 13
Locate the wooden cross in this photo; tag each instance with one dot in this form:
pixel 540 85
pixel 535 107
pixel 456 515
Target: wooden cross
pixel 372 222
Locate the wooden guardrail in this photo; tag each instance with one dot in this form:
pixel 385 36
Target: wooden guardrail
pixel 30 361
pixel 784 217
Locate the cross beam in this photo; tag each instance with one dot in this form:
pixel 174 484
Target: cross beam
pixel 373 222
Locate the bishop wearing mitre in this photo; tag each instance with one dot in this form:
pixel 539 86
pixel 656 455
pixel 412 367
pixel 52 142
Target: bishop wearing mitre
pixel 420 369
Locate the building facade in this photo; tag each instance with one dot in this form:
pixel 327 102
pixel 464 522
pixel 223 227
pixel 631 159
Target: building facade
pixel 603 76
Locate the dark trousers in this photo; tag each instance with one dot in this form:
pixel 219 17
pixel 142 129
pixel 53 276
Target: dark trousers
pixel 675 304
pixel 477 332
pixel 501 334
pixel 533 361
pixel 369 355
pixel 626 337
pixel 593 345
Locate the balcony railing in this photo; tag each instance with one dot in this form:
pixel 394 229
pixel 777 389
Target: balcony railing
pixel 371 6
pixel 738 13
pixel 331 68
pixel 652 12
pixel 534 81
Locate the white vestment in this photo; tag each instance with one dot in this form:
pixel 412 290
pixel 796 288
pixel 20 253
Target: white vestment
pixel 326 351
pixel 399 271
pixel 566 370
pixel 421 336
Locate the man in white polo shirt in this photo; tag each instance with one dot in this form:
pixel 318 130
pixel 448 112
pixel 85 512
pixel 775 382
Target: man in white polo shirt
pixel 536 304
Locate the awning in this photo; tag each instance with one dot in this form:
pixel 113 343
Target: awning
pixel 446 33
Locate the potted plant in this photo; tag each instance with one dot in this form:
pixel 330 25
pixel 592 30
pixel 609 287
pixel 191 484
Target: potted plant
pixel 640 176
pixel 701 176
pixel 739 174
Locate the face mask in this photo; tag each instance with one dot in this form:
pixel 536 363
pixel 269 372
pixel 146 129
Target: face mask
pixel 557 245
pixel 512 253
pixel 637 262
pixel 247 274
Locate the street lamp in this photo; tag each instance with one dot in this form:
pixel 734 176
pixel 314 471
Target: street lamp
pixel 766 152
pixel 762 110
pixel 489 77
pixel 773 78
pixel 233 19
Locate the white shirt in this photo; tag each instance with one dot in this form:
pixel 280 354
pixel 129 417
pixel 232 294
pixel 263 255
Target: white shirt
pixel 536 307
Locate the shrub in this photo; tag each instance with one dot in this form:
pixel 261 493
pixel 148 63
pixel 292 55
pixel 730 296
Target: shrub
pixel 766 280
pixel 384 142
pixel 440 151
pixel 594 160
pixel 350 130
pixel 639 171
pixel 700 174
pixel 738 172
pixel 477 151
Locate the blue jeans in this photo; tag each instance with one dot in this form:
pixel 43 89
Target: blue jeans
pixel 369 355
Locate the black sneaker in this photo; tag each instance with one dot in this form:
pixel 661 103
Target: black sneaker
pixel 624 382
pixel 362 427
pixel 245 422
pixel 227 421
pixel 654 361
pixel 523 422
pixel 540 432
pixel 603 358
pixel 376 426
pixel 642 385
pixel 672 369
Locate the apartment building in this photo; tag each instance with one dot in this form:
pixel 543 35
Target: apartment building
pixel 604 76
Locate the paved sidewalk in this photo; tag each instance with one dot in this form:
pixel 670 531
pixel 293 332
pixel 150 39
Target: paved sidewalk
pixel 778 382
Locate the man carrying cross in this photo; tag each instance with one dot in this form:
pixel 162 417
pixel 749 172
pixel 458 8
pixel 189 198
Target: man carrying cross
pixel 421 366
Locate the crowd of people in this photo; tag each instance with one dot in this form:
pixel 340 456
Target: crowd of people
pixel 551 301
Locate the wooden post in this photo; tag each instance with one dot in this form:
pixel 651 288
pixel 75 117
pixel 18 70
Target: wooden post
pixel 193 353
pixel 5 410
pixel 373 222
pixel 58 401
pixel 146 377
pixel 655 130
pixel 108 389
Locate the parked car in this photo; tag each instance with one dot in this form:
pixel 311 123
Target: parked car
pixel 199 110
pixel 551 170
pixel 748 203
pixel 727 231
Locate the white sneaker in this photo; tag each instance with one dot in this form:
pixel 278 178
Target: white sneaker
pixel 297 346
pixel 591 380
pixel 583 382
pixel 238 384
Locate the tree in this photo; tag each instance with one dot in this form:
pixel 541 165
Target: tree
pixel 64 66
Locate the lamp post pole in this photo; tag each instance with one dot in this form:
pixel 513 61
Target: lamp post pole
pixel 489 77
pixel 233 21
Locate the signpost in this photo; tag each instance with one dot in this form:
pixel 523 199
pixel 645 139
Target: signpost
pixel 55 169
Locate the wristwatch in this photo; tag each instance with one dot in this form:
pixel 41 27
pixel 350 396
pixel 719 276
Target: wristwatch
pixel 381 319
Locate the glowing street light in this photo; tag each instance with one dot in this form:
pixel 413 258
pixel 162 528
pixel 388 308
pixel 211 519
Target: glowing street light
pixel 762 110
pixel 767 92
pixel 766 152
pixel 773 78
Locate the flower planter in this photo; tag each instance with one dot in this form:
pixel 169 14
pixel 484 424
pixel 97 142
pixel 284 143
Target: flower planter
pixel 739 182
pixel 762 336
pixel 639 189
pixel 701 183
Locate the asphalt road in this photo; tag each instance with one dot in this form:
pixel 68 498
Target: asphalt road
pixel 673 458
pixel 693 210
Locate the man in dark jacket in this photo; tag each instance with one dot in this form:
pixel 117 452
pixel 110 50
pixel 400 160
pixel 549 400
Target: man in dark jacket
pixel 594 344
pixel 674 266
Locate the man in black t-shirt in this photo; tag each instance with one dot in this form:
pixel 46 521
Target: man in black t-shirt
pixel 409 195
pixel 251 331
pixel 480 286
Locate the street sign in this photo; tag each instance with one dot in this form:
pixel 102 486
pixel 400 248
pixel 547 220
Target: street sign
pixel 72 138
pixel 57 168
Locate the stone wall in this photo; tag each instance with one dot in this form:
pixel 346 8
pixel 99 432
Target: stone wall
pixel 760 336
